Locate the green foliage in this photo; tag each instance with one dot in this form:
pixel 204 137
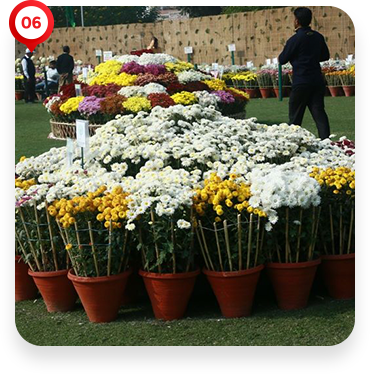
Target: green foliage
pixel 200 11
pixel 242 9
pixel 105 15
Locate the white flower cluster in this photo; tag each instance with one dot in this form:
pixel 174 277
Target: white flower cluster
pixel 161 157
pixel 155 59
pixel 191 76
pixel 53 100
pixel 207 99
pixel 144 91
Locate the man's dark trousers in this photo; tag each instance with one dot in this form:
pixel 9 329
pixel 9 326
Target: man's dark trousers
pixel 303 96
pixel 29 90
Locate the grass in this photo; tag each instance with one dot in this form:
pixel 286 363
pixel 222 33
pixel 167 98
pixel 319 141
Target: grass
pixel 32 121
pixel 324 322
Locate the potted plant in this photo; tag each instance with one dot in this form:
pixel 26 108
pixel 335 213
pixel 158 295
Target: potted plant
pixel 42 251
pixel 347 78
pixel 230 234
pixel 98 248
pixel 334 83
pixel 19 89
pixel 337 230
pixel 265 83
pixel 248 82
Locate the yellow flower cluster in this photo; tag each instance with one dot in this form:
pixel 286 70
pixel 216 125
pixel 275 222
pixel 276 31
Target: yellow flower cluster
pixel 71 105
pixel 239 92
pixel 224 194
pixel 122 79
pixel 178 66
pixel 216 84
pixel 340 180
pixel 246 76
pixel 109 67
pixel 184 98
pixel 24 184
pixel 136 104
pixel 111 207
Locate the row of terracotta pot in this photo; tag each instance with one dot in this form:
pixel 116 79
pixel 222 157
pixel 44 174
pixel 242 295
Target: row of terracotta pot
pixel 169 294
pixel 342 91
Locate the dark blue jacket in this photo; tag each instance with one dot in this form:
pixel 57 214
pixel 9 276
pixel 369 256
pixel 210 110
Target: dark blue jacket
pixel 305 50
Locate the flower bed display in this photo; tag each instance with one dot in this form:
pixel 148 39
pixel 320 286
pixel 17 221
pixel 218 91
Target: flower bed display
pixel 183 188
pixel 135 80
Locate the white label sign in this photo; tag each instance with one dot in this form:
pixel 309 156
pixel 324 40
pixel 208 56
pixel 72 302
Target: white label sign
pixel 84 73
pixel 107 55
pixel 188 50
pixel 98 53
pixel 249 64
pixel 275 61
pixel 215 66
pixel 82 133
pixel 350 57
pixel 231 47
pixel 268 61
pixel 78 90
pixel 70 151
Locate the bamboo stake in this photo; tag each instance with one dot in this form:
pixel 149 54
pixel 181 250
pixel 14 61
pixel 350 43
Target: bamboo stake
pixel 123 252
pixel 64 241
pixel 192 220
pixel 74 265
pixel 109 265
pixel 240 242
pixel 286 234
pixel 257 241
pixel 33 251
pixel 315 234
pixel 43 257
pixel 278 253
pixel 79 246
pixel 173 251
pixel 93 249
pixel 350 230
pixel 55 258
pixel 341 229
pixel 143 256
pixel 228 245
pixel 218 247
pixel 205 246
pixel 202 250
pixel 299 235
pixel 24 251
pixel 331 230
pixel 155 242
pixel 250 239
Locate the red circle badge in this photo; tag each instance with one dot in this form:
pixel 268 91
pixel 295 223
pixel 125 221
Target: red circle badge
pixel 31 22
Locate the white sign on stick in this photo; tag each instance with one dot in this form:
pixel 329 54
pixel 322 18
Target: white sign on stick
pixel 82 133
pixel 231 47
pixel 98 53
pixel 70 151
pixel 268 61
pixel 350 57
pixel 188 50
pixel 275 61
pixel 78 90
pixel 249 64
pixel 107 55
pixel 84 73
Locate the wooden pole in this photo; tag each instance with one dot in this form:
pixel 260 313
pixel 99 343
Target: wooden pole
pixel 55 258
pixel 93 249
pixel 205 246
pixel 218 247
pixel 240 241
pixel 143 256
pixel 350 230
pixel 341 229
pixel 109 265
pixel 155 242
pixel 331 229
pixel 125 239
pixel 250 239
pixel 74 265
pixel 79 246
pixel 43 257
pixel 64 241
pixel 299 235
pixel 257 241
pixel 173 245
pixel 202 250
pixel 23 250
pixel 286 235
pixel 228 245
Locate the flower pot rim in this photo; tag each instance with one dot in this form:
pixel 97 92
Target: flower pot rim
pixel 294 265
pixel 74 278
pixel 47 274
pixel 338 257
pixel 17 258
pixel 233 274
pixel 189 274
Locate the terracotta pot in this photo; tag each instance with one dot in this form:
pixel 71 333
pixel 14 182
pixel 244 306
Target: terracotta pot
pixel 56 290
pixel 252 92
pixel 338 273
pixel 265 92
pixel 100 296
pixel 335 91
pixel 25 288
pixel 349 90
pixel 234 290
pixel 169 293
pixel 18 95
pixel 292 282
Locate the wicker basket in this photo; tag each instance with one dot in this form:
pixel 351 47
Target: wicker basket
pixel 62 131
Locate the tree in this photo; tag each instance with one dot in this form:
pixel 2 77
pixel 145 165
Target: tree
pixel 243 9
pixel 105 15
pixel 200 11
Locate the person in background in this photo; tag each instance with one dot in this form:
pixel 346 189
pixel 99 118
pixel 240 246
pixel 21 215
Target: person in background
pixel 305 50
pixel 29 77
pixel 65 65
pixel 154 45
pixel 52 78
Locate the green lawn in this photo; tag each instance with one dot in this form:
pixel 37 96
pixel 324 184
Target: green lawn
pixel 324 322
pixel 32 121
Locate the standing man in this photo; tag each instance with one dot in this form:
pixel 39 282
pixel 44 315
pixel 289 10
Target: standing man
pixel 305 50
pixel 29 77
pixel 65 65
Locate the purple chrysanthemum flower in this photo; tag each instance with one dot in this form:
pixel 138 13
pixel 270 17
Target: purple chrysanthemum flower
pixel 90 105
pixel 226 97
